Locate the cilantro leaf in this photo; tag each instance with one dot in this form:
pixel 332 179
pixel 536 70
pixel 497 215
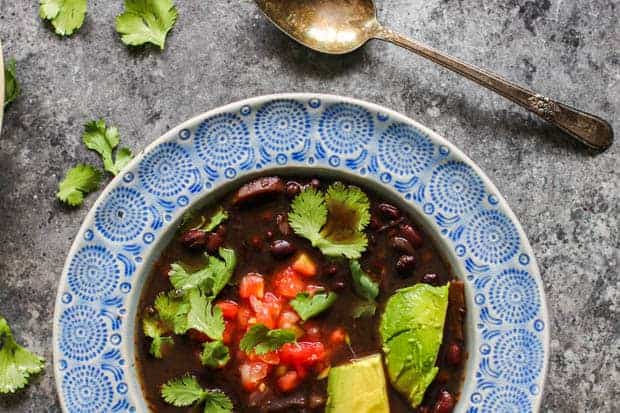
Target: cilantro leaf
pixel 333 222
pixel 214 354
pixel 212 278
pixel 78 181
pixel 173 311
pixel 204 316
pixel 153 330
pixel 363 285
pixel 16 363
pixel 220 216
pixel 183 391
pixel 186 391
pixel 217 402
pixel 65 15
pixel 103 140
pixel 11 85
pixel 260 340
pixel 308 307
pixel 146 21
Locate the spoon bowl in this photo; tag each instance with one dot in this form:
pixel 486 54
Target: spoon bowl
pixel 333 27
pixel 342 26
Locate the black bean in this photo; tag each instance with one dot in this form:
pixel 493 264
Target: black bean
pixel 454 355
pixel 374 223
pixel 445 403
pixel 405 263
pixel 389 211
pixel 281 248
pixel 331 269
pixel 292 188
pixel 214 242
pixel 430 278
pixel 402 244
pixel 256 241
pixel 315 183
pixel 412 235
pixel 193 239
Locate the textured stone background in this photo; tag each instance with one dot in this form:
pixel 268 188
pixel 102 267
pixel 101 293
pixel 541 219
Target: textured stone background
pixel 567 198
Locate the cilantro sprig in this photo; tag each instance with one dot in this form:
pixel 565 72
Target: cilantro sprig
pixel 310 306
pixel 333 222
pixel 215 354
pixel 261 340
pixel 85 178
pixel 11 85
pixel 212 278
pixel 103 140
pixel 173 310
pixel 204 316
pixel 218 217
pixel 186 391
pixel 16 363
pixel 153 329
pixel 365 288
pixel 66 16
pixel 79 181
pixel 146 21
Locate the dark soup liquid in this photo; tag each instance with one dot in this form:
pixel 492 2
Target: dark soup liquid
pixel 239 323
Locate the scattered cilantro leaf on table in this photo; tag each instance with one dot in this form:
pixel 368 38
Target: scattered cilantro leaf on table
pixel 78 181
pixel 65 15
pixel 153 330
pixel 333 222
pixel 186 391
pixel 309 306
pixel 204 316
pixel 146 21
pixel 214 354
pixel 11 85
pixel 103 140
pixel 261 340
pixel 16 363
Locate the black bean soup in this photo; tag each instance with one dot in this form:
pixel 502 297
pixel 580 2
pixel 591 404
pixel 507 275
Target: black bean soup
pixel 257 229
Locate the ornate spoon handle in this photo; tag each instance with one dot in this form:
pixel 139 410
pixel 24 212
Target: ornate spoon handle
pixel 585 127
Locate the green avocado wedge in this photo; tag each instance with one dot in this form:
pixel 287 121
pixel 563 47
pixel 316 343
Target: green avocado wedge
pixel 411 332
pixel 358 387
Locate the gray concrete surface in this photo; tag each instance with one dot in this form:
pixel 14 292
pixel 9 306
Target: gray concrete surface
pixel 567 198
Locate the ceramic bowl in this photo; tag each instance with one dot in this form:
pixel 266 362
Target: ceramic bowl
pixel 135 216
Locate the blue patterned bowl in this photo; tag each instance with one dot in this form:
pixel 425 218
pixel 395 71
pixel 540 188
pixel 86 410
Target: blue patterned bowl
pixel 508 334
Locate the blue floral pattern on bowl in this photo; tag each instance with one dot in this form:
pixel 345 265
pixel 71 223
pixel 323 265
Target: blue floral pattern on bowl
pixel 99 290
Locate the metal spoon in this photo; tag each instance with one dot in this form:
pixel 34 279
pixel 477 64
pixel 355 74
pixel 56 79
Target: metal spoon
pixel 342 26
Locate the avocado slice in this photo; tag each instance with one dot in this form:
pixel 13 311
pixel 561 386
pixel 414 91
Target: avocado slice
pixel 411 331
pixel 358 387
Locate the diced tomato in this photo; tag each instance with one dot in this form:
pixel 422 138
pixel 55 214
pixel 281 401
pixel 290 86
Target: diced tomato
pixel 302 353
pixel 288 319
pixel 252 374
pixel 265 313
pixel 304 265
pixel 289 381
pixel 338 336
pixel 313 289
pixel 243 315
pixel 288 283
pixel 198 336
pixel 229 309
pixel 270 358
pixel 313 332
pixel 252 284
pixel 229 331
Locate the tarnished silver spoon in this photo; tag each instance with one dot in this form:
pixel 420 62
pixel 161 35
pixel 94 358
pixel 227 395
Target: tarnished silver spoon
pixel 341 26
